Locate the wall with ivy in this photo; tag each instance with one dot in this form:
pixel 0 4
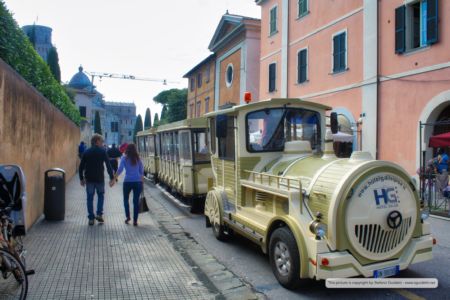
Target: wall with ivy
pixel 17 51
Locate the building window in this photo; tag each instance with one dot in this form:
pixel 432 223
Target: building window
pixel 339 52
pixel 273 20
pixel 198 107
pixel 416 25
pixel 129 133
pixel 83 111
pixel 302 8
pixel 208 73
pixel 192 83
pixel 206 105
pixel 272 77
pixel 229 74
pixel 199 79
pixel 302 65
pixel 114 126
pixel 191 110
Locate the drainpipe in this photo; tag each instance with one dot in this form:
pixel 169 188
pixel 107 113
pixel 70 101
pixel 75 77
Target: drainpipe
pixel 378 79
pixel 284 47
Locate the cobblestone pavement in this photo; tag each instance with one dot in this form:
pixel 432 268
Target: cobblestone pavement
pixel 111 261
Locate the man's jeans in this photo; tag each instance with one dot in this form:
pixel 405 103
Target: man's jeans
pixel 136 187
pixel 91 187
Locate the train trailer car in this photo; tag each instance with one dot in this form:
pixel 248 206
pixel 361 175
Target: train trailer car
pixel 184 165
pixel 278 183
pixel 148 150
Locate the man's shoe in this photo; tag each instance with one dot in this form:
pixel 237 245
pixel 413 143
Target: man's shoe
pixel 91 222
pixel 135 224
pixel 127 221
pixel 100 219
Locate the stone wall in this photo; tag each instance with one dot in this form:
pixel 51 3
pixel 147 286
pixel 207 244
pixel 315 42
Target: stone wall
pixel 35 135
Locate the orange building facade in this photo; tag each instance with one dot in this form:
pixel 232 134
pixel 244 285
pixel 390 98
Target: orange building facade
pixel 382 65
pixel 233 67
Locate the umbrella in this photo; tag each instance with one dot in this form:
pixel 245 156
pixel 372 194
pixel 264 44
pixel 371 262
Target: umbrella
pixel 440 140
pixel 342 137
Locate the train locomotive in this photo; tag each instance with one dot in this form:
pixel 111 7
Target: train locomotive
pixel 277 182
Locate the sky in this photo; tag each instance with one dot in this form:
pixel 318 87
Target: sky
pixel 146 38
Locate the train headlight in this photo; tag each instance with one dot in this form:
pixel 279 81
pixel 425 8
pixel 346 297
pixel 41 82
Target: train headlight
pixel 318 228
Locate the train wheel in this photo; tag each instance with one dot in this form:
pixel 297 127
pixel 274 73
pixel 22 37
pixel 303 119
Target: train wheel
pixel 285 258
pixel 214 212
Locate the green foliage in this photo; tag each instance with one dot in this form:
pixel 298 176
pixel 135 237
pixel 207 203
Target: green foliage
pixel 17 51
pixel 147 119
pixel 97 125
pixel 156 120
pixel 175 101
pixel 53 63
pixel 137 127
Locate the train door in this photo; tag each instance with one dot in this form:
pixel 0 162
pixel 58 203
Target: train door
pixel 186 163
pixel 226 165
pixel 201 161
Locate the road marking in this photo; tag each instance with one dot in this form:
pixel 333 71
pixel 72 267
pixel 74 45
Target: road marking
pixel 171 197
pixel 407 294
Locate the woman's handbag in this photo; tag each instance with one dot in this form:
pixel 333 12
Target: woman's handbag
pixel 143 203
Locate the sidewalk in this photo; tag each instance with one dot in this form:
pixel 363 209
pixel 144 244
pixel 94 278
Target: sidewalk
pixel 111 261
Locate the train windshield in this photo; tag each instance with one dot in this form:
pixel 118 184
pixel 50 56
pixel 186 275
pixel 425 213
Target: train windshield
pixel 268 129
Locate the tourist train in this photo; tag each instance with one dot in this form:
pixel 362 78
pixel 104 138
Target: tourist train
pixel 271 176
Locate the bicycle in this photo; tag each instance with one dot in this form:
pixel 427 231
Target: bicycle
pixel 12 260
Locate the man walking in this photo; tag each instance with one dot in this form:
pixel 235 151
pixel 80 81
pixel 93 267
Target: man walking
pixel 91 172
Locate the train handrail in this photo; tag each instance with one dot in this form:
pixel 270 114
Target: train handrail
pixel 265 178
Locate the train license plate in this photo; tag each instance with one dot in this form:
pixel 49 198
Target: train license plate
pixel 386 272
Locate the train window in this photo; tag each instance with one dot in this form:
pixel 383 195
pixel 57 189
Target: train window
pixel 185 146
pixel 157 143
pixel 201 153
pixel 268 129
pixel 226 143
pixel 176 148
pixel 151 145
pixel 265 130
pixel 212 135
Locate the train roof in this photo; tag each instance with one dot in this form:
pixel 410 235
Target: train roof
pixel 147 131
pixel 272 102
pixel 184 124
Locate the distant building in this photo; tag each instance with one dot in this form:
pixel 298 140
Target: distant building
pixel 117 119
pixel 42 36
pixel 223 77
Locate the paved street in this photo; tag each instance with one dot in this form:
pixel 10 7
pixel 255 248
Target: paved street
pixel 246 260
pixel 155 260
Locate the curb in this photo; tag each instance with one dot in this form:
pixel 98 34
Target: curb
pixel 217 278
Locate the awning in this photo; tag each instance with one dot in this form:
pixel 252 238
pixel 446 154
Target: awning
pixel 440 140
pixel 342 137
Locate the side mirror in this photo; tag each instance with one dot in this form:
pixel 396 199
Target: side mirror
pixel 334 122
pixel 221 126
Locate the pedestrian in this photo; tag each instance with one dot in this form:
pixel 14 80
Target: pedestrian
pixel 81 149
pixel 91 172
pixel 114 154
pixel 134 176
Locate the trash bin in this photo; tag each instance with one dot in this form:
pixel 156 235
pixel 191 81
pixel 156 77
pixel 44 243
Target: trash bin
pixel 55 195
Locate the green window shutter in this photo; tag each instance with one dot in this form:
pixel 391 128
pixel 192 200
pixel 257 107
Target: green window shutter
pixel 302 7
pixel 342 52
pixel 336 53
pixel 272 77
pixel 273 20
pixel 432 21
pixel 302 66
pixel 400 29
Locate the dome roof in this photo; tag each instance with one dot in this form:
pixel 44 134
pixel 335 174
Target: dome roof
pixel 80 80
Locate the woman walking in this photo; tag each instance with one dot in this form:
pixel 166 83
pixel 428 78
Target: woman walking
pixel 134 176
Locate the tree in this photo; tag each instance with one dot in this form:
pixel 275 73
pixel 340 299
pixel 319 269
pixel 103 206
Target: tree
pixel 164 117
pixel 175 101
pixel 148 119
pixel 137 127
pixel 53 63
pixel 156 120
pixel 97 125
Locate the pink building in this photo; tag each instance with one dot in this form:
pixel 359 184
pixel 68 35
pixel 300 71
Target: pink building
pixel 382 65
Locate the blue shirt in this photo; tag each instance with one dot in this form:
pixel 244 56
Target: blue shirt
pixel 443 164
pixel 133 173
